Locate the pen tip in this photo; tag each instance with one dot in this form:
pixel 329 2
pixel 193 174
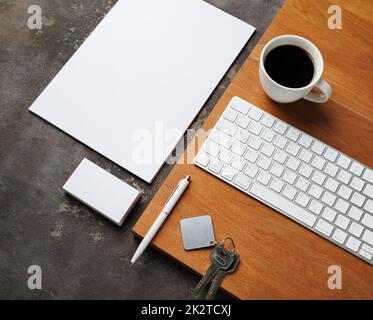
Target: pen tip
pixel 131 264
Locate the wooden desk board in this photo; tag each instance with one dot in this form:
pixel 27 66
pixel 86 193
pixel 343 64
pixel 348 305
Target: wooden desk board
pixel 279 258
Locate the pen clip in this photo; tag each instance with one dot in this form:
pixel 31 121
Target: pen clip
pixel 177 186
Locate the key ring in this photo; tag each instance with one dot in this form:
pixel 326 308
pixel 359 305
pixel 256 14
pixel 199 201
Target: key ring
pixel 231 240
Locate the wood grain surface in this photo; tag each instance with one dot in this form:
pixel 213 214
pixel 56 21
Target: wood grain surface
pixel 279 258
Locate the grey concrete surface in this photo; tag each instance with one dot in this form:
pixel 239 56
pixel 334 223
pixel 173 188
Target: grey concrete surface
pixel 82 255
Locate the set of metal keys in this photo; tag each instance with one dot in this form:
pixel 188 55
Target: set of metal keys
pixel 223 261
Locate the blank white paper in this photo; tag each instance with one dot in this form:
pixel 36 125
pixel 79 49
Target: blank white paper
pixel 149 65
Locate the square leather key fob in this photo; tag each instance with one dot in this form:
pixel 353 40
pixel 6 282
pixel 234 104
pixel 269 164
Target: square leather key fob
pixel 197 232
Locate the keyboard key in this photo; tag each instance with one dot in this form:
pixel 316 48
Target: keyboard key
pixel 318 177
pixel 264 162
pixel 292 134
pixel 305 155
pixel 238 163
pixel 251 171
pixel 267 135
pixel 225 156
pixel 263 177
pixel 212 148
pixel 331 169
pixel 255 142
pixel 339 236
pixel 324 227
pixel 331 184
pixel 255 128
pixel 230 115
pixel 368 175
pixel 221 139
pixel 293 163
pixel 343 161
pixel 318 162
pixel 342 221
pixel 280 142
pixel 357 184
pixel 228 173
pixel 283 204
pixel 240 106
pixel 251 155
pixel 368 237
pixel 238 148
pixel 356 229
pixel 342 205
pixel 302 184
pixel 242 135
pixel 305 141
pixel 227 127
pixel 353 243
pixel 268 121
pixel 255 113
pixel 276 169
pixel 315 191
pixel 289 176
pixel 242 181
pixel 280 156
pixel 302 199
pixel 292 148
pixel 357 199
pixel 365 254
pixel 318 147
pixel 331 154
pixel 276 185
pixel 215 165
pixel 344 192
pixel 267 149
pixel 329 214
pixel 355 213
pixel 280 127
pixel 242 121
pixel 289 192
pixel 344 176
pixel 305 170
pixel 328 198
pixel 368 191
pixel 367 221
pixel 203 159
pixel 367 248
pixel 356 168
pixel 369 206
pixel 315 206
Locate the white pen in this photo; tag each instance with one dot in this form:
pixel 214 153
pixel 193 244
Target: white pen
pixel 170 203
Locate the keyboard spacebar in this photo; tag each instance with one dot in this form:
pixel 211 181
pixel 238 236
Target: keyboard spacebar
pixel 284 205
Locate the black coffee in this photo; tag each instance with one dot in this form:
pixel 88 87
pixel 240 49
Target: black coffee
pixel 290 66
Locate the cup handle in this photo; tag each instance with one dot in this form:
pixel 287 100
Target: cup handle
pixel 326 90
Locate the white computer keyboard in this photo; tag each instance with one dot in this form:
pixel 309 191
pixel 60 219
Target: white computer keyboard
pixel 297 175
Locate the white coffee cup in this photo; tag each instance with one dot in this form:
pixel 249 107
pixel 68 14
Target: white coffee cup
pixel 284 94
